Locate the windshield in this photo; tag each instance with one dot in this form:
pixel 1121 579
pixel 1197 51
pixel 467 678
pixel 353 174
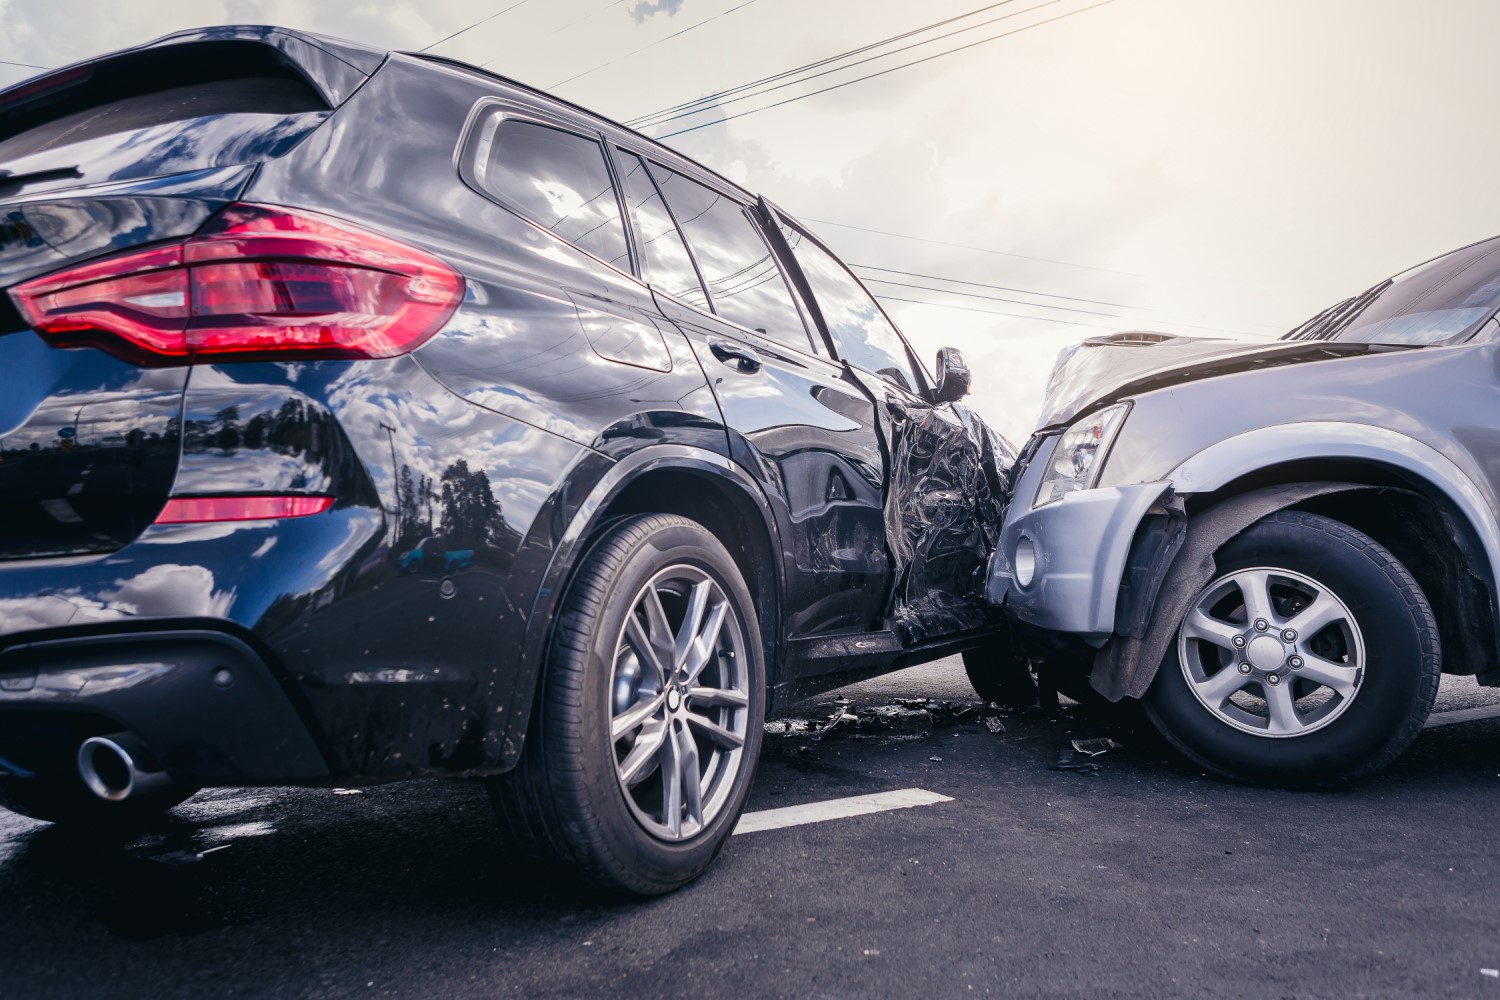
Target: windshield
pixel 1444 301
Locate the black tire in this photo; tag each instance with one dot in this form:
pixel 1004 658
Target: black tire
pixel 69 803
pixel 1000 671
pixel 1395 690
pixel 565 800
pixel 1017 669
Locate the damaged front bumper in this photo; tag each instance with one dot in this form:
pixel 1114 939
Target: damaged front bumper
pixel 1059 566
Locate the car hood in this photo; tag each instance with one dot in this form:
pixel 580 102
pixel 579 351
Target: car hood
pixel 1102 370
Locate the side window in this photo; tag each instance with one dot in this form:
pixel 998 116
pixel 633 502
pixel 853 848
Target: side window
pixel 745 284
pixel 559 181
pixel 666 264
pixel 860 331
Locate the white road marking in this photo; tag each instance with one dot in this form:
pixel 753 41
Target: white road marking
pixel 820 812
pixel 1462 715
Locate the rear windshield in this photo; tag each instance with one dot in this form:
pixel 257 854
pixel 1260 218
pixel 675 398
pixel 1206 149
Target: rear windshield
pixel 1445 301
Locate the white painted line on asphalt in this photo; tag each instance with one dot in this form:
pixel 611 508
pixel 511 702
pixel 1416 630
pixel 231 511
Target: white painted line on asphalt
pixel 1462 715
pixel 820 812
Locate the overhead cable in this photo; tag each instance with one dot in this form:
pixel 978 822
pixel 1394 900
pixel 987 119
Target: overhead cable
pixel 965 246
pixel 636 122
pixel 483 20
pixel 850 65
pixel 643 48
pixel 883 72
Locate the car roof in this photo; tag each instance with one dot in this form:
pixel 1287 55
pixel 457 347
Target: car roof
pixel 609 124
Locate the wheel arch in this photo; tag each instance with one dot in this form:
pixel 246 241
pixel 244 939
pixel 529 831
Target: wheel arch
pixel 1405 494
pixel 666 479
pixel 1320 451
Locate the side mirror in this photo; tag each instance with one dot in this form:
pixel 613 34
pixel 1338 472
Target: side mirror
pixel 952 376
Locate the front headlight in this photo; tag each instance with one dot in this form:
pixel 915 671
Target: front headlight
pixel 1079 455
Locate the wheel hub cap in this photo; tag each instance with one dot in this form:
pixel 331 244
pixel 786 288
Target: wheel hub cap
pixel 674 700
pixel 1266 654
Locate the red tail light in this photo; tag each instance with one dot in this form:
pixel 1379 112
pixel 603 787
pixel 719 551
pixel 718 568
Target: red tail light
pixel 256 283
pixel 194 510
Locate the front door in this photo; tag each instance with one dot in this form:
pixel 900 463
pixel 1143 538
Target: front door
pixel 805 430
pixel 942 493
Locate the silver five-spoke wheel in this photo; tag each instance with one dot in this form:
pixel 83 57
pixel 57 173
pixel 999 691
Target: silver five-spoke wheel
pixel 1272 652
pixel 679 693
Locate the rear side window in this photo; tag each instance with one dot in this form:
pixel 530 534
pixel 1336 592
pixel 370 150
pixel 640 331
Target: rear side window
pixel 861 333
pixel 666 263
pixel 560 181
pixel 744 281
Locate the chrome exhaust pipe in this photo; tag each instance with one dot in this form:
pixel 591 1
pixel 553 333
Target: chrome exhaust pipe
pixel 119 766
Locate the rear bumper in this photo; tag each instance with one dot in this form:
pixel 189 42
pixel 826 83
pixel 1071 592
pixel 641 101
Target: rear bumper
pixel 203 701
pixel 131 641
pixel 1074 553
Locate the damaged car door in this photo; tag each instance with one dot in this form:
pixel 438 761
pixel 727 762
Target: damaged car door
pixel 943 493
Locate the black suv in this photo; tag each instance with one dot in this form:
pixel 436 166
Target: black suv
pixel 365 416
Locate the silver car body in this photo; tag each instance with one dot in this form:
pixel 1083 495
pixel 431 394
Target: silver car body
pixel 1226 428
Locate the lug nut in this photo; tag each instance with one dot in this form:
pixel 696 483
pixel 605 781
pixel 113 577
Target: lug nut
pixel 1288 635
pixel 1273 678
pixel 1295 663
pixel 1245 668
pixel 1239 642
pixel 1261 624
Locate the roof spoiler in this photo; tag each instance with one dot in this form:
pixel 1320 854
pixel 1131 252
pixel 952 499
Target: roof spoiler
pixel 334 68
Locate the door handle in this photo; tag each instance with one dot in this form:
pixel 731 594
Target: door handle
pixel 744 360
pixel 895 408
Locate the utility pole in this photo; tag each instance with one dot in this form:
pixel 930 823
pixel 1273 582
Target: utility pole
pixel 390 434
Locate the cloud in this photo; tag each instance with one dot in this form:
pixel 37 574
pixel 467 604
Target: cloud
pixel 644 10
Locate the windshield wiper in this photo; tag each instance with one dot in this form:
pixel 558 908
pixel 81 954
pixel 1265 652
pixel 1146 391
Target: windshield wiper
pixel 1332 321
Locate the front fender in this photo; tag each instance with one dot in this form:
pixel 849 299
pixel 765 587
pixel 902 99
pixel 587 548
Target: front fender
pixel 1230 459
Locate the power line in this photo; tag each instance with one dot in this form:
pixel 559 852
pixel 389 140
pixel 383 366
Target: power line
pixel 851 65
pixel 588 17
pixel 998 288
pixel 965 246
pixel 1129 322
pixel 992 298
pixel 8 62
pixel 1073 309
pixel 636 122
pixel 883 72
pixel 997 312
pixel 1029 291
pixel 483 20
pixel 643 48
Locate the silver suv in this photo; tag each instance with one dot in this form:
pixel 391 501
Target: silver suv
pixel 1277 547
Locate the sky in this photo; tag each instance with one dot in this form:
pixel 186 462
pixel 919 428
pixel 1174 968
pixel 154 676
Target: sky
pixel 1199 167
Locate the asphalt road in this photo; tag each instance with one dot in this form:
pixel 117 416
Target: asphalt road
pixel 1140 878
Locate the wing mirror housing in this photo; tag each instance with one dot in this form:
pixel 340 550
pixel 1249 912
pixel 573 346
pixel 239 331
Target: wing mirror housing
pixel 952 376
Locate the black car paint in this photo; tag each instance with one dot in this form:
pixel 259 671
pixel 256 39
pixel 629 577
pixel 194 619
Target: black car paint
pixel 562 393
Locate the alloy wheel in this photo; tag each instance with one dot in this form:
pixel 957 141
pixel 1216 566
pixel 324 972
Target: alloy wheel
pixel 1272 652
pixel 679 694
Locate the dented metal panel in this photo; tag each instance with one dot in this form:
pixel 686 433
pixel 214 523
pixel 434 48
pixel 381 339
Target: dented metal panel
pixel 943 507
pixel 1104 370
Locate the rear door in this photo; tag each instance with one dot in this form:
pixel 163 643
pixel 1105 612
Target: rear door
pixel 795 419
pixel 942 493
pixel 131 149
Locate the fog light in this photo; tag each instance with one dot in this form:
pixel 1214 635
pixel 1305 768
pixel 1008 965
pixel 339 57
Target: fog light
pixel 1025 562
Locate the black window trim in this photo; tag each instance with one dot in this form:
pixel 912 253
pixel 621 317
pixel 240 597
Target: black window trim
pixel 650 153
pixel 471 157
pixel 924 390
